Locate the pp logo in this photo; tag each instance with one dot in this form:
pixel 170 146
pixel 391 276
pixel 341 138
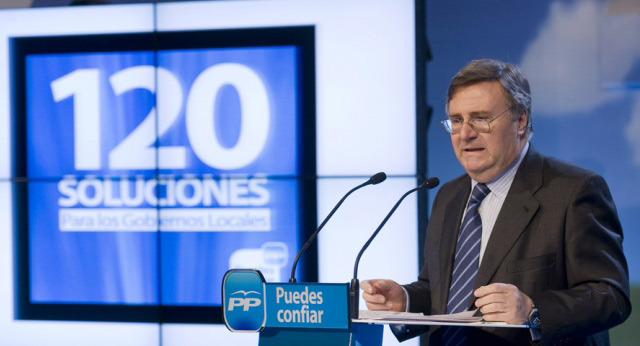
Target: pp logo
pixel 245 303
pixel 244 308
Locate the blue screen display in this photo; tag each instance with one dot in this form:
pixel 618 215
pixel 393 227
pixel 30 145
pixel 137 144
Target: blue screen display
pixel 154 172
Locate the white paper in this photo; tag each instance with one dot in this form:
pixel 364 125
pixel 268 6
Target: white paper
pixel 462 317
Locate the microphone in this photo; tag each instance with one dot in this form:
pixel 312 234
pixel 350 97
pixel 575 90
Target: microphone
pixel 373 180
pixel 354 292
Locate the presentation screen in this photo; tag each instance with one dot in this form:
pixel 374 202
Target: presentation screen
pixel 153 163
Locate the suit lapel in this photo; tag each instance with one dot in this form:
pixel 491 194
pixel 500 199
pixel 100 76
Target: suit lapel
pixel 517 211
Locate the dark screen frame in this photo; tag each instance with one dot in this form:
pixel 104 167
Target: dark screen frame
pixel 303 37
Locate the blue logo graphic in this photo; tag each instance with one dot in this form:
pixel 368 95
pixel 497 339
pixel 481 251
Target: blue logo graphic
pixel 243 300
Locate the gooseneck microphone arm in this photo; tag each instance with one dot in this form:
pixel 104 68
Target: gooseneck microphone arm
pixel 354 292
pixel 373 180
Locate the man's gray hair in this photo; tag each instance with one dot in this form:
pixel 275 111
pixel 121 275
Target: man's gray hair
pixel 513 81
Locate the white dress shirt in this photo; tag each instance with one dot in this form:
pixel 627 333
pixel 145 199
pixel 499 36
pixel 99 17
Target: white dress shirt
pixel 491 205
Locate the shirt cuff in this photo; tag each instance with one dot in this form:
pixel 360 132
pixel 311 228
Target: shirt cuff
pixel 406 294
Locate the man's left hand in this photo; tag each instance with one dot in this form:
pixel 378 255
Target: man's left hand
pixel 503 303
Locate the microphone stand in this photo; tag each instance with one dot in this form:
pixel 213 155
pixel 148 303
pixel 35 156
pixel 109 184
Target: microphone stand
pixel 354 291
pixel 374 179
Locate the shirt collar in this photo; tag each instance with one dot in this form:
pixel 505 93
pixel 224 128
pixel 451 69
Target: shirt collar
pixel 501 184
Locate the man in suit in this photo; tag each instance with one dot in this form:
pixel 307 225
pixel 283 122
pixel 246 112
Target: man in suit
pixel 524 238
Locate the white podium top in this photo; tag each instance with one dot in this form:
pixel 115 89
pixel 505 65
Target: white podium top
pixel 463 319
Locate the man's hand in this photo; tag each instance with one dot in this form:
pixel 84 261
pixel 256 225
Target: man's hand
pixel 384 295
pixel 504 303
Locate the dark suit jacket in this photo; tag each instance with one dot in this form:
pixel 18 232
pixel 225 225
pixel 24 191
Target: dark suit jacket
pixel 557 238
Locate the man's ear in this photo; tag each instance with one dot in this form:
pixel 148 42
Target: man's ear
pixel 523 120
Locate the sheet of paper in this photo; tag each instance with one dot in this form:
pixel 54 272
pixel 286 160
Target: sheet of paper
pixel 462 317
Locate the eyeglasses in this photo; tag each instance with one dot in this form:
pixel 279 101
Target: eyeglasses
pixel 477 124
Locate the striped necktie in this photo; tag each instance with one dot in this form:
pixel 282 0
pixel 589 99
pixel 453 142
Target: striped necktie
pixel 466 263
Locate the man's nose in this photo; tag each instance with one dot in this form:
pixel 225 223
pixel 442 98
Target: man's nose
pixel 467 132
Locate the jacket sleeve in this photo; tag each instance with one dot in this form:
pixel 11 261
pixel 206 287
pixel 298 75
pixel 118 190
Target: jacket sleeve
pixel 597 294
pixel 419 300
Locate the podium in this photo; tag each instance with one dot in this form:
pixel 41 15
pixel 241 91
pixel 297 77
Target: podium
pixel 307 314
pixel 310 314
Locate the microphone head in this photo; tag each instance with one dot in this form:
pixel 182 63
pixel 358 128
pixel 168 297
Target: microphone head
pixel 377 178
pixel 430 183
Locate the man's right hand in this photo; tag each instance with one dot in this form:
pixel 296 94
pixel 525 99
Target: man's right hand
pixel 384 295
